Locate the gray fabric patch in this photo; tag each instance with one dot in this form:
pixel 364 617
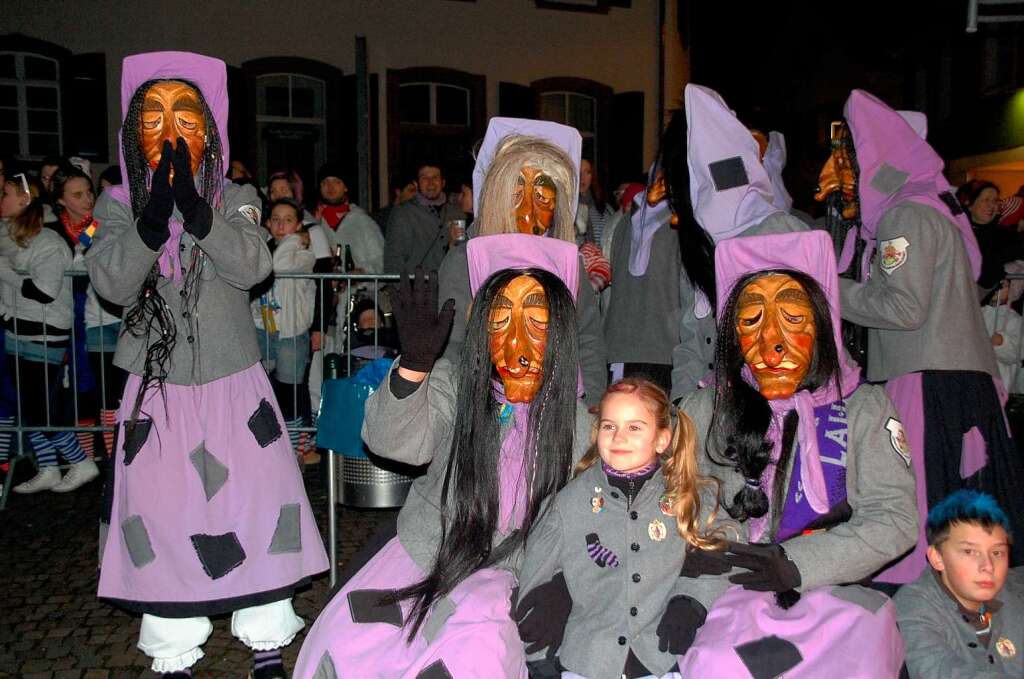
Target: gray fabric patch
pixel 868 599
pixel 728 173
pixel 134 438
pixel 136 539
pixel 288 535
pixel 768 657
pixel 104 530
pixel 219 554
pixel 366 606
pixel 325 668
pixel 439 615
pixel 264 425
pixel 435 670
pixel 888 179
pixel 212 471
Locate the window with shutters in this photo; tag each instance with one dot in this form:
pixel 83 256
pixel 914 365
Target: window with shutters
pixel 30 106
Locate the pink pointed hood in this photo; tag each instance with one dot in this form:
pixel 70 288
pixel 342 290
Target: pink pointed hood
pixel 490 254
pixel 729 187
pixel 897 165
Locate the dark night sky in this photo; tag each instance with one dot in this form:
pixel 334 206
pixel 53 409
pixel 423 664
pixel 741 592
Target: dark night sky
pixel 790 66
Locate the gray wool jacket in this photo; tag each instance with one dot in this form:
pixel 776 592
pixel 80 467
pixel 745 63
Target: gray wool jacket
pixel 922 314
pixel 417 236
pixel 641 324
pixel 694 356
pixel 615 608
pixel 880 491
pixel 215 339
pixel 453 280
pixel 418 430
pixel 942 644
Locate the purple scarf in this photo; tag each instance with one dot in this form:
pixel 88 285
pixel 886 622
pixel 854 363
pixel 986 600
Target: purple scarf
pixel 832 434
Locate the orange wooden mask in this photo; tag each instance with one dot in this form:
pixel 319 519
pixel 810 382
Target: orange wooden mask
pixel 170 110
pixel 518 329
pixel 776 331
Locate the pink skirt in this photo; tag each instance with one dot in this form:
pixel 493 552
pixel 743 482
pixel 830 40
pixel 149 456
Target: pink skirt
pixel 209 513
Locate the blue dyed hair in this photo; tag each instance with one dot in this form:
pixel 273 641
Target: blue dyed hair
pixel 965 506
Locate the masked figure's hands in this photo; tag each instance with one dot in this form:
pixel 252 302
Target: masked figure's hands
pixel 196 213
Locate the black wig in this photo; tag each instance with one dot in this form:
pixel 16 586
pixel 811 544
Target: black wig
pixel 741 415
pixel 470 492
pixel 695 245
pixel 151 316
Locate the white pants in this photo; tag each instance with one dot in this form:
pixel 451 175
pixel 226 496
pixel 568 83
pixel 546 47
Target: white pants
pixel 173 643
pixel 668 675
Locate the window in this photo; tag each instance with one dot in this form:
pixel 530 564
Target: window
pixel 433 104
pixel 30 106
pixel 290 115
pixel 576 110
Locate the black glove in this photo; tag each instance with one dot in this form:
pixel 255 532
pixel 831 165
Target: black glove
pixel 152 225
pixel 422 331
pixel 541 615
pixel 770 568
pixel 683 617
pixel 196 213
pixel 700 562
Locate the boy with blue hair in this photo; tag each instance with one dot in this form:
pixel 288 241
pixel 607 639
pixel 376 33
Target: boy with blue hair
pixel 965 618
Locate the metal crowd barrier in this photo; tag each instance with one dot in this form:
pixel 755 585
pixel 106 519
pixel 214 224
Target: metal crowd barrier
pixel 343 288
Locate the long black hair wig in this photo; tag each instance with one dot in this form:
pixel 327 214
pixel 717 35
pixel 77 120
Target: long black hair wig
pixel 695 245
pixel 151 316
pixel 741 416
pixel 470 493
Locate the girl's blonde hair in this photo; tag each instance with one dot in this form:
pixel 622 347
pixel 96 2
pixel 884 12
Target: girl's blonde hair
pixel 683 482
pixel 497 211
pixel 29 222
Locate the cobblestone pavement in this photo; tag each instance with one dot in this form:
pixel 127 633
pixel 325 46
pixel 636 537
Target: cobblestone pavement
pixel 52 626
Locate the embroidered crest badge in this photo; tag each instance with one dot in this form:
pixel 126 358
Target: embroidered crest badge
pixel 251 212
pixel 892 254
pixel 1006 648
pixel 898 439
pixel 665 505
pixel 656 530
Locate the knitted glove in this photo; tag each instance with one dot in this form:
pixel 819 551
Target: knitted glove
pixel 195 212
pixel 770 568
pixel 541 615
pixel 683 617
pixel 422 331
pixel 152 225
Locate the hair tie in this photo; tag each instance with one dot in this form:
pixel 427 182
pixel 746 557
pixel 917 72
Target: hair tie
pixel 752 483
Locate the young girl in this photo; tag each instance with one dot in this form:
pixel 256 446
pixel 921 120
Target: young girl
pixel 603 568
pixel 283 312
pixel 98 381
pixel 37 332
pixel 1006 327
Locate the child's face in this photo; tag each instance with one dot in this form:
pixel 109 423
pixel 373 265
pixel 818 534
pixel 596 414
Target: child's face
pixel 279 188
pixel 972 563
pixel 13 201
pixel 283 222
pixel 628 438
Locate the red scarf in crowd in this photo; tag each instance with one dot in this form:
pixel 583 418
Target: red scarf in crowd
pixel 333 214
pixel 74 231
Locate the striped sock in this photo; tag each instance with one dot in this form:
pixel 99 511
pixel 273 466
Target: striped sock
pixel 46 454
pixel 600 554
pixel 87 439
pixel 5 437
pixel 265 659
pixel 68 445
pixel 108 418
pixel 295 436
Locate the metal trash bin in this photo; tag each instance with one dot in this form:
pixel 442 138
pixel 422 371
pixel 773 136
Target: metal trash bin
pixel 364 480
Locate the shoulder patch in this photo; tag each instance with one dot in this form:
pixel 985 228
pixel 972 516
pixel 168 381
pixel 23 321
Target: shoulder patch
pixel 252 213
pixel 898 439
pixel 892 254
